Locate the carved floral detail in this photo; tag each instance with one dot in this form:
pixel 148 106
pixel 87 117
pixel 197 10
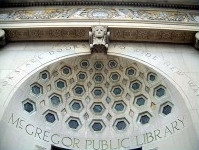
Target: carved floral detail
pixel 96 13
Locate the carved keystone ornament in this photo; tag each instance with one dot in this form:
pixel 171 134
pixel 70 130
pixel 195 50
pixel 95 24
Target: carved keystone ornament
pixel 99 39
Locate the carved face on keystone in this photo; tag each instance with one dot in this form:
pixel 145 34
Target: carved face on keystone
pixel 99 32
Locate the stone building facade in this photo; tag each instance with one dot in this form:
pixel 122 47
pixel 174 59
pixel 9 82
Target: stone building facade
pixel 99 75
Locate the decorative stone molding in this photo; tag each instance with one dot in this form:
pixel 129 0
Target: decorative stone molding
pixel 117 34
pixel 181 5
pixel 117 13
pixel 2 38
pixel 48 34
pixel 197 40
pixel 152 35
pixel 99 39
pixel 65 24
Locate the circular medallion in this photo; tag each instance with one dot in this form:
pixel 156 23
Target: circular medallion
pixel 100 14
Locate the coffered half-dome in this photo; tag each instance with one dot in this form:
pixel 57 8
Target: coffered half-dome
pixel 97 97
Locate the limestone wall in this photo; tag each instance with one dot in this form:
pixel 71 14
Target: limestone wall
pixel 175 64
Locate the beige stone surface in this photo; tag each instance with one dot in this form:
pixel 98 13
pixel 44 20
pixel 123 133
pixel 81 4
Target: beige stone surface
pixel 176 66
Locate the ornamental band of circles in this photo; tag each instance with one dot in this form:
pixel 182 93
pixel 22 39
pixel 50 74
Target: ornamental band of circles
pixel 98 89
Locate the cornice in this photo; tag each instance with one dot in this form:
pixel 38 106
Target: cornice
pixel 89 23
pixel 124 24
pixel 172 5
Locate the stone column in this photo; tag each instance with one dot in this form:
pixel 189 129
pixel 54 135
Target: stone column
pixel 197 41
pixel 2 38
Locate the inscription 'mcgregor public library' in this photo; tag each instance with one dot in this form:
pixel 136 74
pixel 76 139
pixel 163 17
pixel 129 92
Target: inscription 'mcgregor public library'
pixel 98 144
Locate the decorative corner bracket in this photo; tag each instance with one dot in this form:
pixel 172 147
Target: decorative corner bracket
pixel 197 41
pixel 99 39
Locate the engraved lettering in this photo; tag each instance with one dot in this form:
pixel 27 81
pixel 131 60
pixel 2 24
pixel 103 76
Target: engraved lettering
pixel 53 138
pixel 27 128
pixel 38 132
pixel 46 136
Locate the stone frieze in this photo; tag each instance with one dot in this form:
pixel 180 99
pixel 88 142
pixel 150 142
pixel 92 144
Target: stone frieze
pixel 152 35
pixel 47 34
pixel 118 13
pixel 117 34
